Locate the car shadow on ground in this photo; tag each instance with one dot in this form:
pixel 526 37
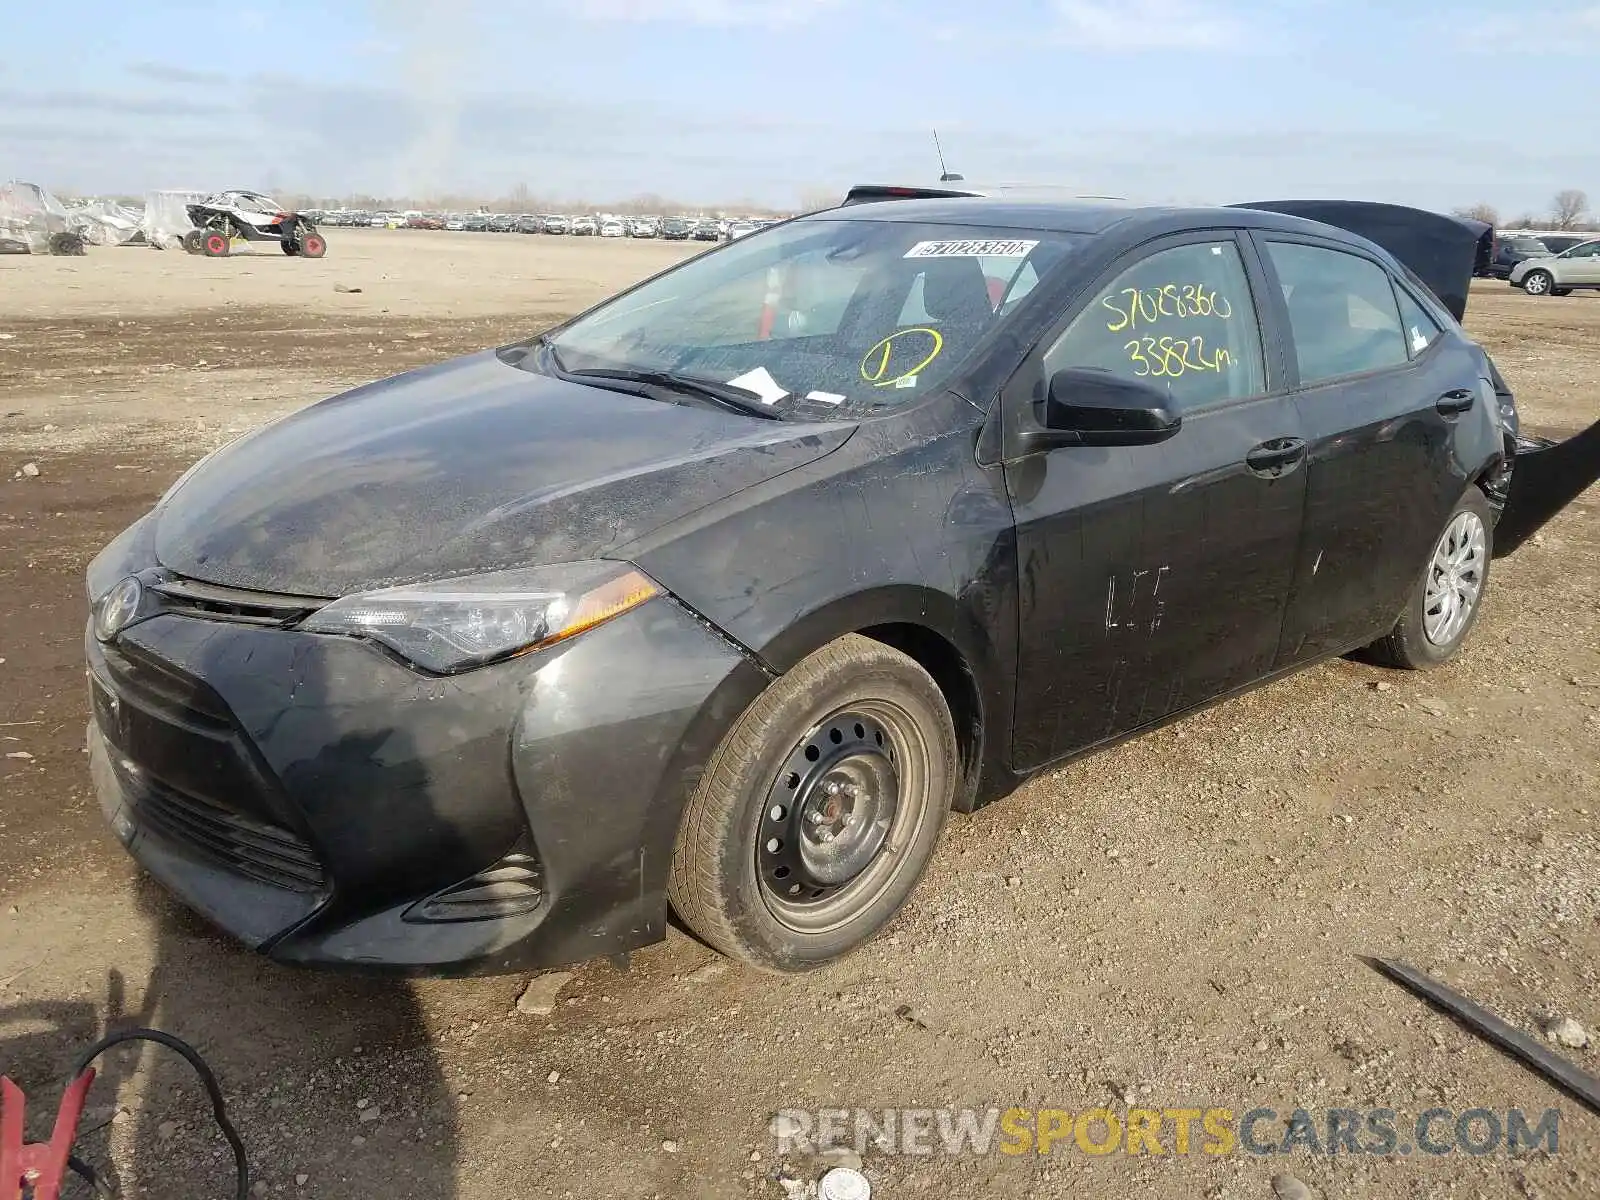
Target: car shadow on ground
pixel 332 1081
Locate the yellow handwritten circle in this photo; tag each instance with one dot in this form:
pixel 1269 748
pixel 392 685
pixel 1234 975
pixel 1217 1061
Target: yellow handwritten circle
pixel 875 372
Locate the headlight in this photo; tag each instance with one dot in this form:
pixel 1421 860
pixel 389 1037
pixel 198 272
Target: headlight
pixel 455 624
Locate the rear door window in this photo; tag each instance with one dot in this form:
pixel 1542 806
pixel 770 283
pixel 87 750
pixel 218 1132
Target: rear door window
pixel 1342 311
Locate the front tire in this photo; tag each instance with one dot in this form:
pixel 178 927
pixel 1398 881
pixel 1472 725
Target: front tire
pixel 1446 599
pixel 1538 283
pixel 820 810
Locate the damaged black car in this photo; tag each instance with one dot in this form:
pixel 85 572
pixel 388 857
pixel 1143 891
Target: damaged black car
pixel 718 598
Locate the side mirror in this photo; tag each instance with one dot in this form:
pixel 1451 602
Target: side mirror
pixel 1096 408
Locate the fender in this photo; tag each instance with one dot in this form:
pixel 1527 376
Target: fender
pixel 975 679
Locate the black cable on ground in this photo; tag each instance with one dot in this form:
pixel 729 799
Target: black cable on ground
pixel 87 1173
pixel 218 1108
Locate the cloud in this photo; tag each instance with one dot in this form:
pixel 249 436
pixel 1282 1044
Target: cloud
pixel 769 13
pixel 1560 31
pixel 167 73
pixel 102 104
pixel 304 135
pixel 1130 25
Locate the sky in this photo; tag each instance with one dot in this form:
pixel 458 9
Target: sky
pixel 782 101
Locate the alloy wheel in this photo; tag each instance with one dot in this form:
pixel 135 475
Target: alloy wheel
pixel 1455 579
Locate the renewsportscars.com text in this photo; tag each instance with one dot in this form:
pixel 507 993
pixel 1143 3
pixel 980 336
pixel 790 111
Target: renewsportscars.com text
pixel 1262 1131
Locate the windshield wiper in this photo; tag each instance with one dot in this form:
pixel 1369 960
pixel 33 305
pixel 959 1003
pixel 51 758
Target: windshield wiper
pixel 722 394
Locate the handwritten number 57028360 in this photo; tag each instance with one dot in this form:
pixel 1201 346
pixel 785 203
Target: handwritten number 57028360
pixel 1169 301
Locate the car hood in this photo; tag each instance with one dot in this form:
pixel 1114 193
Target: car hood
pixel 471 465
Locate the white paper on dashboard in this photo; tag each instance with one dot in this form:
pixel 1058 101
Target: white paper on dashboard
pixel 761 382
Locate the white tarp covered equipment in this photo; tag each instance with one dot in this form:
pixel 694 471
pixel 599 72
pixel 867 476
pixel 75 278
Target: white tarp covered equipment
pixel 106 223
pixel 30 216
pixel 166 217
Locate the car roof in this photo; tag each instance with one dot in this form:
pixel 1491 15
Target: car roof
pixel 1082 216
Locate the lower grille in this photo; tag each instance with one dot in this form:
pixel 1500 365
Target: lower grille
pixel 266 853
pixel 510 888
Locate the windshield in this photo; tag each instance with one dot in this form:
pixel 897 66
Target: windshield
pixel 822 318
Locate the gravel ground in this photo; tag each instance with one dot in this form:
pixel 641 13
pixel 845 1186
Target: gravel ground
pixel 1172 923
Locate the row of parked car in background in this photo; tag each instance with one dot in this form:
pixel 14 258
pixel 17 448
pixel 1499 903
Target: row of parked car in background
pixel 1546 264
pixel 606 225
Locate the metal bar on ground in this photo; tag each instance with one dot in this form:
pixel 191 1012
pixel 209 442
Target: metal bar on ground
pixel 1576 1082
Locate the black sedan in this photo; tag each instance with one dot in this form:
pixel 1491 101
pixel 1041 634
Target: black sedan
pixel 722 595
pixel 1509 251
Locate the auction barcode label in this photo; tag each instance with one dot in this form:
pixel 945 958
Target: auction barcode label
pixel 972 249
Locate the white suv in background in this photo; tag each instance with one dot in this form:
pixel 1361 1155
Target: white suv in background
pixel 1560 274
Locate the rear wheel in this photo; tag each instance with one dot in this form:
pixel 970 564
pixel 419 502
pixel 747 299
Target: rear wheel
pixel 820 810
pixel 1538 283
pixel 215 244
pixel 1445 600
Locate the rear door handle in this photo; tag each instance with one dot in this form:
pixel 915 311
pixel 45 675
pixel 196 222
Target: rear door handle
pixel 1277 457
pixel 1456 401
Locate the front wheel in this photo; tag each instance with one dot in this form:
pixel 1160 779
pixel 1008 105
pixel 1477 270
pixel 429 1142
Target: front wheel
pixel 312 244
pixel 1538 283
pixel 819 811
pixel 1444 602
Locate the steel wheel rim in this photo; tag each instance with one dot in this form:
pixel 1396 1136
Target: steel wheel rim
pixel 813 884
pixel 1455 579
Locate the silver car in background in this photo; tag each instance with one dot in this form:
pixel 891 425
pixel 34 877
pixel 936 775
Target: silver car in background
pixel 1560 274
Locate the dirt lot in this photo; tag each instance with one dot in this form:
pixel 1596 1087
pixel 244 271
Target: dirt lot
pixel 1174 922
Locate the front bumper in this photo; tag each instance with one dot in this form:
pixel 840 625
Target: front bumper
pixel 309 794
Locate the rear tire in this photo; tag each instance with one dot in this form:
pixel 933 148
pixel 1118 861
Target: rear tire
pixel 820 810
pixel 215 244
pixel 194 241
pixel 1448 595
pixel 1538 283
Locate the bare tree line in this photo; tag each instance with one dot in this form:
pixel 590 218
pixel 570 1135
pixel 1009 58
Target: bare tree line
pixel 1569 209
pixel 523 199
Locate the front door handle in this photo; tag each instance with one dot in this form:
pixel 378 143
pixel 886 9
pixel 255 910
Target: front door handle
pixel 1277 457
pixel 1456 401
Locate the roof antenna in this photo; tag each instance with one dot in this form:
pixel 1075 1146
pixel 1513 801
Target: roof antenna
pixel 945 175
